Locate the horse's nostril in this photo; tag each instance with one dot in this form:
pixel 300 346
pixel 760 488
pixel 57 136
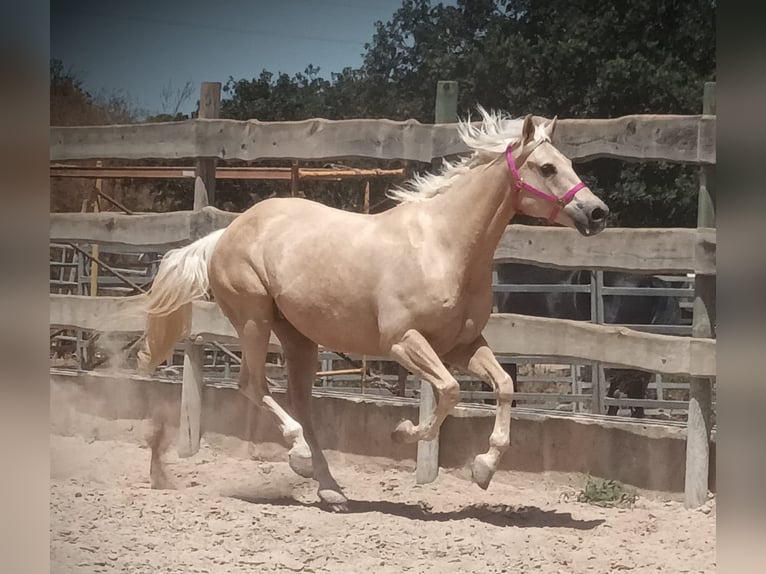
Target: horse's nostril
pixel 597 214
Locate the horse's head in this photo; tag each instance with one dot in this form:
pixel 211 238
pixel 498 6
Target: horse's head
pixel 546 185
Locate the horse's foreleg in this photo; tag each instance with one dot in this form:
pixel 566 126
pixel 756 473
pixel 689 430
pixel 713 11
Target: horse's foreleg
pixel 478 360
pixel 414 353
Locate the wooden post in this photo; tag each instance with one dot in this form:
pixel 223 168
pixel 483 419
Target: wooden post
pixel 428 451
pixel 598 377
pixel 189 430
pixel 94 249
pixel 191 400
pixel 446 102
pixel 204 176
pixel 700 390
pixel 575 386
pixel 366 209
pixel 294 176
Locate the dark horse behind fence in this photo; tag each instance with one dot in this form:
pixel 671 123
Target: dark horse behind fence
pixel 621 309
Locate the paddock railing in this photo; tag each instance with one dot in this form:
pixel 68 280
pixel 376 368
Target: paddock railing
pixel 674 138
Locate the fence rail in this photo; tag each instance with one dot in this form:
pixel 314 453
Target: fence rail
pixel 663 250
pixel 674 138
pixel 506 333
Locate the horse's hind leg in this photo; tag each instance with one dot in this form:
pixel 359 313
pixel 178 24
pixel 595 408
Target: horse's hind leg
pixel 158 440
pixel 254 338
pixel 251 314
pixel 245 301
pixel 301 360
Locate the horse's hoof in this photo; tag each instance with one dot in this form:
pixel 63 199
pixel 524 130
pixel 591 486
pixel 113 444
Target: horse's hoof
pixel 299 458
pixel 482 471
pixel 404 432
pixel 333 500
pixel 158 478
pixel 160 481
pixel 339 508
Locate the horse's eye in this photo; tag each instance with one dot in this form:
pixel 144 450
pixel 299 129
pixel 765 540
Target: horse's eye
pixel 548 169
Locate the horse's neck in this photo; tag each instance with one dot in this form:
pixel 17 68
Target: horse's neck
pixel 473 216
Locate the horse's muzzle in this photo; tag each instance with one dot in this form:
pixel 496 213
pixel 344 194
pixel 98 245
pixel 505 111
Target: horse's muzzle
pixel 589 218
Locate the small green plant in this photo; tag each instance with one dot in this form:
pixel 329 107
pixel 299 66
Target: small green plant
pixel 607 493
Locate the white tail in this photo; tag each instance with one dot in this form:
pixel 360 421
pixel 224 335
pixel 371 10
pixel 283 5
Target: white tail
pixel 181 279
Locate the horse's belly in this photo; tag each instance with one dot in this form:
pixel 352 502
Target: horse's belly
pixel 346 328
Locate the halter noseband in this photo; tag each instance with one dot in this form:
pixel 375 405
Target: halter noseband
pixel 521 185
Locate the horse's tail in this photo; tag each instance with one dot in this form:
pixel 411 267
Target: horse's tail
pixel 181 279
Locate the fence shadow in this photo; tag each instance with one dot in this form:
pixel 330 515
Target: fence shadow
pixel 495 514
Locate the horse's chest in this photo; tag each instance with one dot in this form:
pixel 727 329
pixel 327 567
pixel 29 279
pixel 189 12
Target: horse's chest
pixel 456 323
pixel 453 333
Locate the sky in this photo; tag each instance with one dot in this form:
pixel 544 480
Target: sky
pixel 138 47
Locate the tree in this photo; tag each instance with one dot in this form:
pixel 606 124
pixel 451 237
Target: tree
pixel 280 98
pixel 593 59
pixel 72 105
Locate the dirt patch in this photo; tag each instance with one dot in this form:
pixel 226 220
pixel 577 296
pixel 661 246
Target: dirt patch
pixel 239 508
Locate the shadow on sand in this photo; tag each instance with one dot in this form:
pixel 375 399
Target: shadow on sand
pixel 494 514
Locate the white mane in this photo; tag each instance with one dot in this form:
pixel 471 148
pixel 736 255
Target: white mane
pixel 496 131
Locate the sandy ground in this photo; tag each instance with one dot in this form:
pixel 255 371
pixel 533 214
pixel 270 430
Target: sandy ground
pixel 234 512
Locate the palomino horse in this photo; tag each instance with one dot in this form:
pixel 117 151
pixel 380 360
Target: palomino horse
pixel 268 271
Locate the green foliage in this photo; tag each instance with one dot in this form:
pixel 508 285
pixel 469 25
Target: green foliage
pixel 177 117
pixel 280 98
pixel 285 98
pixel 590 60
pixel 595 59
pixel 72 105
pixel 607 493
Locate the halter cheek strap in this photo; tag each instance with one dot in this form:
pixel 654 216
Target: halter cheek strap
pixel 521 185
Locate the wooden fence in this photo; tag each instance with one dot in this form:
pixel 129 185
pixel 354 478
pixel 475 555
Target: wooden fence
pixel 687 139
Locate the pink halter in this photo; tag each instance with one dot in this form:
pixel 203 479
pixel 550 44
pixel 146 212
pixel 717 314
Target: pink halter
pixel 521 185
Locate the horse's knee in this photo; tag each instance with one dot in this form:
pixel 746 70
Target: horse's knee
pixel 500 438
pixel 451 392
pixel 505 390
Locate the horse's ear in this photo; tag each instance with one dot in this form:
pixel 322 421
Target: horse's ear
pixel 528 129
pixel 550 126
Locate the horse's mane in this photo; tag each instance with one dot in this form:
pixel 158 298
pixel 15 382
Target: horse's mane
pixel 491 137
